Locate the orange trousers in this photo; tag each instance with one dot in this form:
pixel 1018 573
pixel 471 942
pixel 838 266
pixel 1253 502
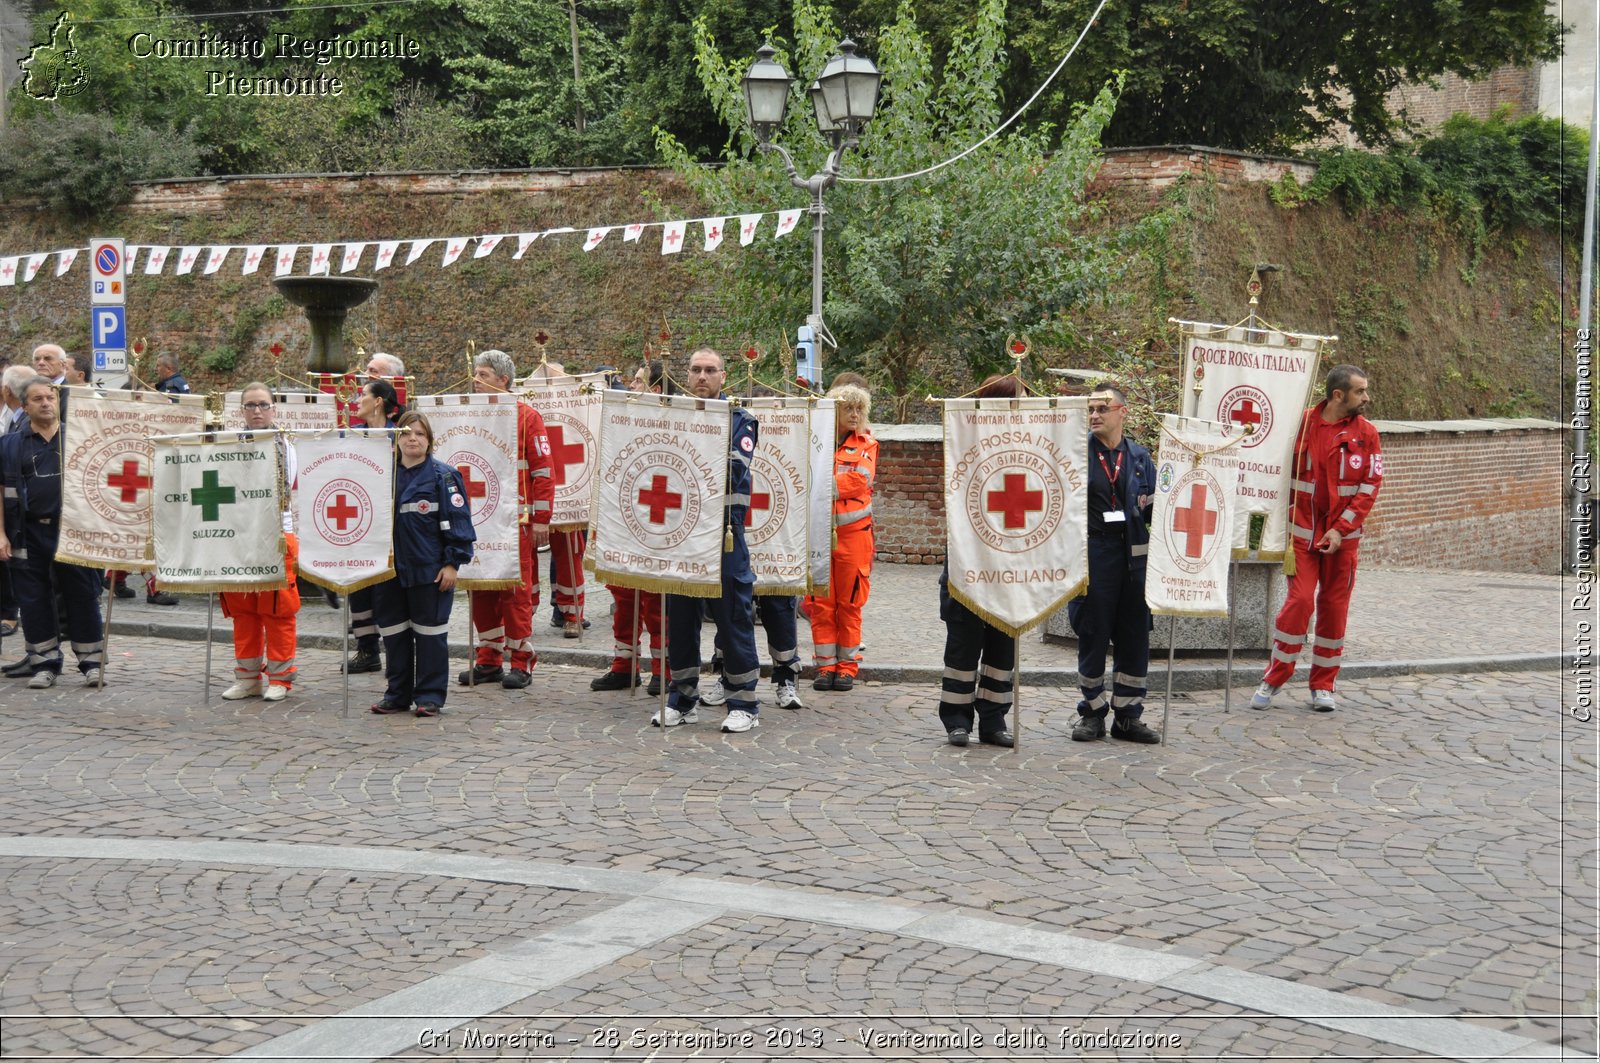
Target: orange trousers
pixel 264 628
pixel 836 619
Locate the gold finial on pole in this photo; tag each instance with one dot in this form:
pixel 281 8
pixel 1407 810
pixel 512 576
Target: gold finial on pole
pixel 541 340
pixel 472 354
pixel 362 338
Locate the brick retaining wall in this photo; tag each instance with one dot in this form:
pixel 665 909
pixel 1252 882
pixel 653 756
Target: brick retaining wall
pixel 1482 494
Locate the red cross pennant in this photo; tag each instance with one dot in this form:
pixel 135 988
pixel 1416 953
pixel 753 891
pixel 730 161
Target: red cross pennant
pixel 715 232
pixel 475 488
pixel 1016 501
pixel 563 453
pixel 673 238
pixel 129 481
pixel 254 257
pixel 342 511
pixel 8 270
pixel 1195 522
pixel 285 258
pixel 758 500
pixel 322 256
pixel 659 499
pixel 749 228
pixel 456 249
pixel 1246 414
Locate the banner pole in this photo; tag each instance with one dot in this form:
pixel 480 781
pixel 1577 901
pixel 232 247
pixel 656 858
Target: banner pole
pixel 1166 701
pixel 1016 693
pixel 211 603
pixel 472 650
pixel 105 634
pixel 1227 684
pixel 344 655
pixel 633 650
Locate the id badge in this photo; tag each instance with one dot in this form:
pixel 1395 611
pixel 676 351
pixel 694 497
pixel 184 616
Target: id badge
pixel 1115 516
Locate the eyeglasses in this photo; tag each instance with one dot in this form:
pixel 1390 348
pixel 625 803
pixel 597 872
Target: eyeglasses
pixel 1103 409
pixel 258 406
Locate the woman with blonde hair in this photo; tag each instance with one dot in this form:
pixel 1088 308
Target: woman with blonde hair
pixel 836 619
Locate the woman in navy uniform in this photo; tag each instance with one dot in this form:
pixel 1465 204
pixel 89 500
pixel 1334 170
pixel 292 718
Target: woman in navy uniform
pixel 433 538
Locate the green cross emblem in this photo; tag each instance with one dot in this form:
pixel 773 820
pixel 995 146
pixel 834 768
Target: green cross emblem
pixel 209 495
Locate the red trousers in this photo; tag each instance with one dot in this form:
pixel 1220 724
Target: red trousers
pixel 504 618
pixel 626 637
pixel 1323 581
pixel 566 570
pixel 263 628
pixel 836 619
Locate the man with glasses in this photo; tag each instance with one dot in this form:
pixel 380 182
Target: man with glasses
pixel 30 475
pixel 264 621
pixel 1113 612
pixel 736 628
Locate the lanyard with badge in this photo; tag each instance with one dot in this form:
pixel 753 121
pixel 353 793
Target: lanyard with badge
pixel 1113 516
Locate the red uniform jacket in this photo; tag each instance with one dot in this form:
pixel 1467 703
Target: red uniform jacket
pixel 1338 468
pixel 536 486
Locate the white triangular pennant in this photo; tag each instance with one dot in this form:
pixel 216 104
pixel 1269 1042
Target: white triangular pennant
pixel 215 259
pixel 286 253
pixel 633 232
pixel 787 219
pixel 747 228
pixel 351 258
pixel 8 271
pixel 417 247
pixel 321 256
pixel 713 228
pixel 452 249
pixel 252 258
pixel 186 259
pixel 524 241
pixel 672 237
pixel 65 259
pixel 486 244
pixel 386 250
pixel 595 236
pixel 34 262
pixel 156 259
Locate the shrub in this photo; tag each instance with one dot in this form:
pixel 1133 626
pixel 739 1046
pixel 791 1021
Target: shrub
pixel 83 164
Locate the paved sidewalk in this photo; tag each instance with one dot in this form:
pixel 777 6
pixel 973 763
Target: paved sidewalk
pixel 540 874
pixel 1401 621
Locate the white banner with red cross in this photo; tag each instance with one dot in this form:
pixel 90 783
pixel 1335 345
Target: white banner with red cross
pixel 1261 380
pixel 1197 506
pixel 570 406
pixel 658 522
pixel 819 510
pixel 107 477
pixel 777 524
pixel 292 411
pixel 1016 506
pixel 477 436
pixel 218 522
pixel 344 507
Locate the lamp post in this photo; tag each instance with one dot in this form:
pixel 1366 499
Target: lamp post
pixel 844 98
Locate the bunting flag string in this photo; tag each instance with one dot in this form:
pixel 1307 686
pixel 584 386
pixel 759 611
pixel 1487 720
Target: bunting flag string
pixel 24 267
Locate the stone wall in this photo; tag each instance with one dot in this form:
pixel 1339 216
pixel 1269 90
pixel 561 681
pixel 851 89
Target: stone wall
pixel 1155 168
pixel 1483 495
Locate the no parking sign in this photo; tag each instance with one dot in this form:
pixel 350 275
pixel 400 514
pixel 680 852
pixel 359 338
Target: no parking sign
pixel 108 332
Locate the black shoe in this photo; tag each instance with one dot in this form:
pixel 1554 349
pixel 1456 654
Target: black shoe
pixel 161 598
pixel 480 673
pixel 612 681
pixel 17 669
pixel 1134 731
pixel 557 620
pixel 389 708
pixel 959 737
pixel 331 597
pixel 842 681
pixel 824 681
pixel 516 679
pixel 999 738
pixel 654 689
pixel 363 661
pixel 125 591
pixel 1089 729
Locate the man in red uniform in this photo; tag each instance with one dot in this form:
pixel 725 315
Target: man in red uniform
pixel 504 618
pixel 1338 468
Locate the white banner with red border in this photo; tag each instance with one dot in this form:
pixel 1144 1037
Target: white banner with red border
pixel 477 436
pixel 344 507
pixel 1197 505
pixel 1016 506
pixel 570 406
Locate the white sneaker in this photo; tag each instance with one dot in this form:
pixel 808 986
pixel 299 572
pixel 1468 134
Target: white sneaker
pixel 713 696
pixel 91 678
pixel 1262 698
pixel 275 692
pixel 42 681
pixel 1322 701
pixel 738 720
pixel 674 717
pixel 244 688
pixel 788 696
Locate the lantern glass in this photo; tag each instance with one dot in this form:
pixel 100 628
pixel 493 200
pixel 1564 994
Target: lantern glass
pixel 766 93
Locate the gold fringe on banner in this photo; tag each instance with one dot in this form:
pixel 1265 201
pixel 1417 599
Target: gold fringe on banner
pixel 634 581
pixel 104 562
pixel 344 588
pixel 487 584
pixel 790 589
pixel 1016 631
pixel 1222 613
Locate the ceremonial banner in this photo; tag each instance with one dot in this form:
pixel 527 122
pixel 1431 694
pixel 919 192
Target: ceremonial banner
pixel 1016 506
pixel 662 479
pixel 344 507
pixel 1259 379
pixel 346 391
pixel 106 474
pixel 1196 507
pixel 219 512
pixel 572 422
pixel 292 411
pixel 819 506
pixel 477 436
pixel 777 524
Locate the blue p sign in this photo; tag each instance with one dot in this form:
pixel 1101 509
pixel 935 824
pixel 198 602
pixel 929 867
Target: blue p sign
pixel 110 327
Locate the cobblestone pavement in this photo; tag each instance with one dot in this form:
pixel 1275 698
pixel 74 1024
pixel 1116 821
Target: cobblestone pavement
pixel 541 874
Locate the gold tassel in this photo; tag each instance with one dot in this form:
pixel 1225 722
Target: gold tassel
pixel 727 540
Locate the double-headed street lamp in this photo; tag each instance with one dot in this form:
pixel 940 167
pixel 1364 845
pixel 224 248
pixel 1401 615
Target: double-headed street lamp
pixel 844 98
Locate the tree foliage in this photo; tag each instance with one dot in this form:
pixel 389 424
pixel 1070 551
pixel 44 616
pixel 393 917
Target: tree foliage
pixel 925 277
pixel 81 164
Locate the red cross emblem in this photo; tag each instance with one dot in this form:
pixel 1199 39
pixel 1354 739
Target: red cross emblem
pixel 758 500
pixel 9 269
pixel 673 238
pixel 284 259
pixel 253 258
pixel 475 488
pixel 341 512
pixel 659 499
pixel 1015 501
pixel 749 228
pixel 128 481
pixel 562 453
pixel 1195 522
pixel 322 256
pixel 456 249
pixel 1246 414
pixel 715 232
pixel 188 258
